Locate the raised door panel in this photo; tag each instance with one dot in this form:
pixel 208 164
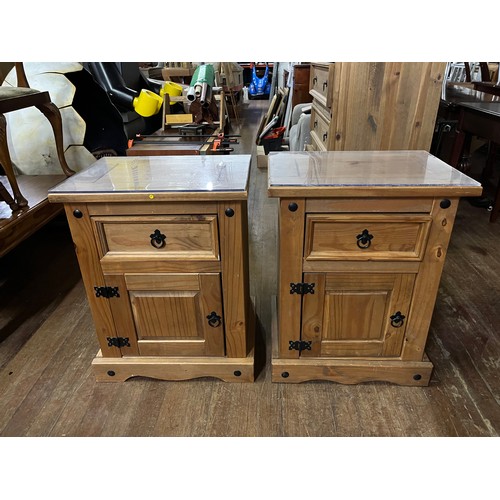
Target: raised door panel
pixel 356 314
pixel 170 314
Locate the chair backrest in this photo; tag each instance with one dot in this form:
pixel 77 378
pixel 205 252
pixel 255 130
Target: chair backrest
pixel 22 81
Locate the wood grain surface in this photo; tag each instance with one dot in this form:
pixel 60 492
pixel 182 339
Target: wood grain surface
pixel 48 387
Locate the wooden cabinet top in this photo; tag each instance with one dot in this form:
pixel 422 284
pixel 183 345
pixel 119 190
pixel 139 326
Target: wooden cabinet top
pixel 158 178
pixel 365 174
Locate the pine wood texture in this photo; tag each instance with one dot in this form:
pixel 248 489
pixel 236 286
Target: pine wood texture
pixel 291 250
pixel 165 314
pixel 376 106
pixel 349 371
pixel 48 385
pixel 184 368
pixel 367 312
pixel 189 237
pixel 349 314
pixel 159 309
pixel 394 238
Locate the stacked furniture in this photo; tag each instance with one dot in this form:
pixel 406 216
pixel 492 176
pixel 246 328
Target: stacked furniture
pixel 374 106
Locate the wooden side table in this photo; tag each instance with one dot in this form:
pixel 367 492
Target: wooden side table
pixel 362 244
pixel 162 247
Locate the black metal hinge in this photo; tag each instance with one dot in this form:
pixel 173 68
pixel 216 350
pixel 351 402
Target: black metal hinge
pixel 106 291
pixel 302 288
pixel 118 341
pixel 299 345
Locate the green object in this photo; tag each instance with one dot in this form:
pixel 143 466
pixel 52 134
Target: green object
pixel 203 74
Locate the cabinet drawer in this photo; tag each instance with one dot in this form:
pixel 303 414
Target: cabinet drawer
pixel 319 127
pixel 365 237
pixel 181 237
pixel 319 82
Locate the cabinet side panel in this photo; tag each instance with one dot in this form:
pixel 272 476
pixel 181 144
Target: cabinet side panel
pixel 427 282
pixel 233 234
pixel 385 106
pixel 88 259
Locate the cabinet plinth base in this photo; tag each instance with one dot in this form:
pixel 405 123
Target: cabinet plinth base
pixel 352 371
pixel 346 371
pixel 163 368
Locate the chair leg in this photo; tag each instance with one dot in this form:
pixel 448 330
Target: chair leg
pixel 20 200
pixel 51 111
pixel 5 196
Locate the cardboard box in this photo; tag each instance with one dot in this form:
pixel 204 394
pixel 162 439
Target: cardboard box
pixel 261 157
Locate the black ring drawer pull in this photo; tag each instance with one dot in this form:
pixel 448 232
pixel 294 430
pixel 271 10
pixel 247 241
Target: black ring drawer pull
pixel 397 320
pixel 364 240
pixel 157 239
pixel 325 85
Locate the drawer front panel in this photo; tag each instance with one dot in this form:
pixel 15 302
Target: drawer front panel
pixel 316 144
pixel 319 82
pixel 169 237
pixel 365 237
pixel 319 126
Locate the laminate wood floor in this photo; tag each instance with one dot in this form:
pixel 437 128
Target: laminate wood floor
pixel 48 342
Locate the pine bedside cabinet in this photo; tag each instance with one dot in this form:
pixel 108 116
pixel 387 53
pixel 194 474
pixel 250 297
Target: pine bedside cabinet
pixel 362 242
pixel 162 248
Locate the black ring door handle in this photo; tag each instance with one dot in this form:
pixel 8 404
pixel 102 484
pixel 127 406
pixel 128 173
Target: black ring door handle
pixel 214 320
pixel 157 239
pixel 397 319
pixel 364 240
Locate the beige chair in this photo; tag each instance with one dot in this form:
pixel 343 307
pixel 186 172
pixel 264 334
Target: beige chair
pixel 12 99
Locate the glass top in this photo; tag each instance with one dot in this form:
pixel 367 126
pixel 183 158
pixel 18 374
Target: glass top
pixel 363 169
pixel 139 174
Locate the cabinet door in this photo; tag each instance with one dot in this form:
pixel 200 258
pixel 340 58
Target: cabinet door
pixel 169 314
pixel 355 314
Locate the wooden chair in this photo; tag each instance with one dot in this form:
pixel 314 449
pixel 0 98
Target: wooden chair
pixel 20 97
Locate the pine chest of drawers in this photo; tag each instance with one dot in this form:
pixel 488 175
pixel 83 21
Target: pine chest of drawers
pixel 162 247
pixel 367 106
pixel 362 243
